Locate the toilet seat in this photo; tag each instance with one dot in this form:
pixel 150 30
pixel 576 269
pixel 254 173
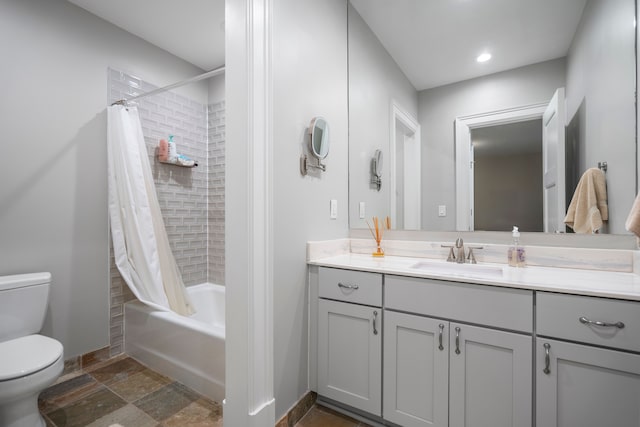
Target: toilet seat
pixel 25 356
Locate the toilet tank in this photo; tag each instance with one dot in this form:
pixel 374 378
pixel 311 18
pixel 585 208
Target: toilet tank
pixel 23 304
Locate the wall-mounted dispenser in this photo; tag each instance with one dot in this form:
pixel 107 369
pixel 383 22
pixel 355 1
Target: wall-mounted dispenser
pixel 376 169
pixel 318 145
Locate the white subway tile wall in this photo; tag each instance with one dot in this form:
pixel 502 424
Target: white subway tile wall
pixel 191 199
pixel 216 191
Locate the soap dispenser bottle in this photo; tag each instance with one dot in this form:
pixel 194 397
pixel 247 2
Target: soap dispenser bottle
pixel 515 255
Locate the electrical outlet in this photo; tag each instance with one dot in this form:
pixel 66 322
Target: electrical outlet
pixel 333 209
pixel 362 214
pixel 442 210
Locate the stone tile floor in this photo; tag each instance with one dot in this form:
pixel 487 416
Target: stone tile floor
pixel 124 393
pixel 319 416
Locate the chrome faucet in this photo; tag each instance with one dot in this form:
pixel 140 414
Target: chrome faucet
pixel 460 251
pixel 459 256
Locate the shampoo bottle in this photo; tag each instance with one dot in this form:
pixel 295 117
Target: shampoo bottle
pixel 515 253
pixel 173 151
pixel 163 150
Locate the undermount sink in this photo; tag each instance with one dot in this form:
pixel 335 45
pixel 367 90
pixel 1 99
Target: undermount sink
pixel 471 270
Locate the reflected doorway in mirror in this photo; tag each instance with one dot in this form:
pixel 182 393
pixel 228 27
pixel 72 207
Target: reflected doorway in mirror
pixel 405 164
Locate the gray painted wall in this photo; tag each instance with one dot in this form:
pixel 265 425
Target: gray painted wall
pixel 309 79
pixel 600 82
pixel 375 80
pixel 216 88
pixel 438 109
pixel 53 200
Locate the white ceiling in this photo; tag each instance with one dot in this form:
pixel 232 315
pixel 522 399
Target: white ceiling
pixel 433 42
pixel 436 42
pixel 189 29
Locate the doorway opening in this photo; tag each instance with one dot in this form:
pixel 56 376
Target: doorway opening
pixel 553 160
pixel 507 176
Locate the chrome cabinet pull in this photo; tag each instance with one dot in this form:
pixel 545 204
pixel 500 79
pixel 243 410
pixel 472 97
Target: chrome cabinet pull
pixel 375 316
pixel 586 321
pixel 547 361
pixel 342 285
pixel 457 340
pixel 441 327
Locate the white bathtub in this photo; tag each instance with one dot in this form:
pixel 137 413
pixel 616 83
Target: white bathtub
pixel 187 349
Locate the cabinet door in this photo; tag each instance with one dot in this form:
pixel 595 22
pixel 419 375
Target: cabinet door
pixel 586 386
pixel 490 378
pixel 416 370
pixel 350 354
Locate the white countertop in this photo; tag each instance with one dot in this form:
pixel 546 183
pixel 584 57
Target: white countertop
pixel 564 280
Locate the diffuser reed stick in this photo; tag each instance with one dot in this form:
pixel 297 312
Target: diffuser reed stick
pixel 377 231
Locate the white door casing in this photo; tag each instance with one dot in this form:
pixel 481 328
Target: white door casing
pixel 411 152
pixel 463 126
pixel 553 175
pixel 472 188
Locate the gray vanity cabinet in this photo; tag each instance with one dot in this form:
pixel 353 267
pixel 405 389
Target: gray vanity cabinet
pixel 442 374
pixel 490 380
pixel 416 370
pixel 445 373
pixel 582 383
pixel 453 354
pixel 350 338
pixel 584 386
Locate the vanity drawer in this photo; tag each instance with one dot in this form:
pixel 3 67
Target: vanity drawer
pixel 558 316
pixel 486 305
pixel 351 286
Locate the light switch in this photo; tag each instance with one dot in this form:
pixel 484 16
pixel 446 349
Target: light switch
pixel 442 210
pixel 361 210
pixel 333 209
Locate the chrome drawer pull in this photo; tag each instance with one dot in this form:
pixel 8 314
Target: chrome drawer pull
pixel 441 327
pixel 547 361
pixel 586 321
pixel 457 340
pixel 354 287
pixel 375 316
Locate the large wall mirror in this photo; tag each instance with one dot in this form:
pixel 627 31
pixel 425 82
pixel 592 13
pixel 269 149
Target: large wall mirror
pixel 454 94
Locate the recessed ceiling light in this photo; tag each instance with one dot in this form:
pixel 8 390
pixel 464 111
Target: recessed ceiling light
pixel 484 57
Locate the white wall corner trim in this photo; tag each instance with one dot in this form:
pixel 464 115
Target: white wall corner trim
pixel 249 397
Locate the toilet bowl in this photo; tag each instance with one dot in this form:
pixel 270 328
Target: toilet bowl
pixel 28 365
pixel 29 362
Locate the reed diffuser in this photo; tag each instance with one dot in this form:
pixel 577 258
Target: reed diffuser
pixel 377 230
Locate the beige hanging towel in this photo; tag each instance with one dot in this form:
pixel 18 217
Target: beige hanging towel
pixel 633 220
pixel 588 208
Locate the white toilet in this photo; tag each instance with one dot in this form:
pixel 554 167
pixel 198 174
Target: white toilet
pixel 29 362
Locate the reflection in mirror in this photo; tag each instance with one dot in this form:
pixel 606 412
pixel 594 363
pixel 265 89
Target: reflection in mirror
pixel 507 158
pixel 413 74
pixel 376 169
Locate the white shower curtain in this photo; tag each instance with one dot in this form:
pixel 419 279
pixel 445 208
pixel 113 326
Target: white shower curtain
pixel 140 243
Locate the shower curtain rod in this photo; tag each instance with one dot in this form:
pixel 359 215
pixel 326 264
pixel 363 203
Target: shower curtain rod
pixel 194 79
